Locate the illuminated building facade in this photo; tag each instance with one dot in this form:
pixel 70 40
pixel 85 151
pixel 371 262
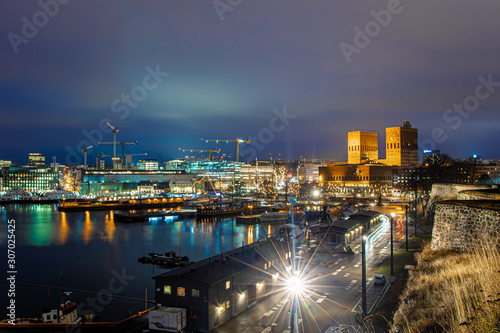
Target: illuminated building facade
pixel 401 145
pixel 362 180
pixel 223 176
pixel 29 179
pixel 36 159
pixel 5 164
pixel 362 147
pixel 147 164
pixel 255 174
pixel 431 156
pixel 309 172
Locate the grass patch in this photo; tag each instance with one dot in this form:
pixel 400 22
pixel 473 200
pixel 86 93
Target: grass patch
pixel 380 320
pixel 452 292
pixel 403 257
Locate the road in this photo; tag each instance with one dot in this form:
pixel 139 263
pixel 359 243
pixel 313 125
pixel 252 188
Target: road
pixel 332 289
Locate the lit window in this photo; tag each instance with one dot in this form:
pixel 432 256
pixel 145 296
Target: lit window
pixel 167 289
pixel 222 308
pixel 265 265
pixel 228 304
pixel 195 292
pixel 228 284
pixel 181 291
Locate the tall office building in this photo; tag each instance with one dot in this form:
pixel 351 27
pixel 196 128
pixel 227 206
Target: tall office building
pixel 36 159
pixel 362 146
pixel 401 145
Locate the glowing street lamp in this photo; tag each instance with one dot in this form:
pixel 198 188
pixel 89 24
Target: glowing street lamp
pixel 295 286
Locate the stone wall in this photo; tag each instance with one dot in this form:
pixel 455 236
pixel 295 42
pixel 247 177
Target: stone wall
pixel 449 192
pixel 458 223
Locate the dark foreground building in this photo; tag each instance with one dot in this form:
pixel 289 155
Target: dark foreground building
pixel 216 289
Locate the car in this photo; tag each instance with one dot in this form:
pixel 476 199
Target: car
pixel 379 280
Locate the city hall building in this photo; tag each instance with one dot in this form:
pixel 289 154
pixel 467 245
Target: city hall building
pixel 352 179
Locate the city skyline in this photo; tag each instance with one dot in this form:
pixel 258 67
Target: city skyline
pixel 169 74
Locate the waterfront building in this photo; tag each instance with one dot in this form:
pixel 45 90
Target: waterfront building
pixel 36 159
pixel 218 288
pixel 255 174
pixel 309 172
pixel 29 179
pixel 401 145
pixel 5 164
pixel 356 180
pixel 178 164
pixel 101 182
pixel 223 176
pixel 147 164
pixel 362 146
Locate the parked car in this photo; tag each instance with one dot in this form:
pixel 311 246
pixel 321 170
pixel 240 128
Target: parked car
pixel 379 280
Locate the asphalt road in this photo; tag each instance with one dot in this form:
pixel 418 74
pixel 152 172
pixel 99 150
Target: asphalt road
pixel 332 295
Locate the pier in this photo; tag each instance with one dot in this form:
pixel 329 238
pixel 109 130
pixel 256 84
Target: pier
pixel 65 206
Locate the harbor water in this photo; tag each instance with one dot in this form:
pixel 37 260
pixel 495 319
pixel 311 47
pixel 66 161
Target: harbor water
pixel 94 253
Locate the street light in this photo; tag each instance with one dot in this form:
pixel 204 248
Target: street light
pixel 392 244
pixel 295 286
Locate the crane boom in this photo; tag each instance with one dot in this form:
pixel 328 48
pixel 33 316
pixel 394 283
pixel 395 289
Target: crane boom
pixel 237 141
pixel 209 151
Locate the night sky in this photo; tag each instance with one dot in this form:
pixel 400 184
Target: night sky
pixel 167 73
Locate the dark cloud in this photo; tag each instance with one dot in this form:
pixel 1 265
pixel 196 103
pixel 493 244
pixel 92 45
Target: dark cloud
pixel 225 77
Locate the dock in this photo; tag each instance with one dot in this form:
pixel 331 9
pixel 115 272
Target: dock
pixel 145 216
pixel 66 206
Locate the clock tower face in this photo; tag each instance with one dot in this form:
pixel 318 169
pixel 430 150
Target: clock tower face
pixel 392 138
pixel 355 142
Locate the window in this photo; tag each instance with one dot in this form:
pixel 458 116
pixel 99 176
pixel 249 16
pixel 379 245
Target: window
pixel 181 291
pixel 228 284
pixel 167 289
pixel 265 265
pixel 222 308
pixel 195 313
pixel 195 292
pixel 228 304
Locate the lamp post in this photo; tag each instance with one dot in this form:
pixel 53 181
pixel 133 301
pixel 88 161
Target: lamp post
pixel 406 216
pixel 392 244
pixel 363 276
pixel 295 286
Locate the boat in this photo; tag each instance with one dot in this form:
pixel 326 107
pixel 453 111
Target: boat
pixel 66 313
pixel 274 217
pixel 280 217
pixel 164 259
pixel 218 210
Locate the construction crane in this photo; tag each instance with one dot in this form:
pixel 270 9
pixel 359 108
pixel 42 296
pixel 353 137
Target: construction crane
pixel 97 155
pixel 209 151
pixel 85 155
pixel 115 130
pixel 123 144
pixel 237 141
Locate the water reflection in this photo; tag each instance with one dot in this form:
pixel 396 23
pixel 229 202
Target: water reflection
pixel 64 230
pixel 87 229
pixel 109 227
